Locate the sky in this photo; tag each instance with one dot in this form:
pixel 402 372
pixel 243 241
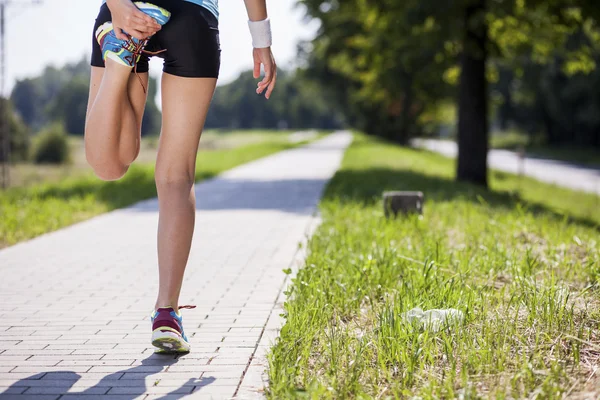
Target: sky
pixel 60 31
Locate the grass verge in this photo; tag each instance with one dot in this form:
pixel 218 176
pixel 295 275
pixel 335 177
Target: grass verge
pixel 31 211
pixel 521 261
pixel 29 174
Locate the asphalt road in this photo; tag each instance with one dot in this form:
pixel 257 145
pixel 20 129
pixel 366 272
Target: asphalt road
pixel 578 177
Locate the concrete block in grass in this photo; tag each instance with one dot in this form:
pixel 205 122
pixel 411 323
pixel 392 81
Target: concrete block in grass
pixel 398 202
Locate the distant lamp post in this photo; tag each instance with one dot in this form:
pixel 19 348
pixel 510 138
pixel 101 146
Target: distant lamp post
pixel 521 157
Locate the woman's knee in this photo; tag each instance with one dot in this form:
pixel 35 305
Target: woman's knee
pixel 171 177
pixel 108 171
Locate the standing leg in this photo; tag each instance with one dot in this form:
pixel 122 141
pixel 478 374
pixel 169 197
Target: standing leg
pixel 185 105
pixel 114 119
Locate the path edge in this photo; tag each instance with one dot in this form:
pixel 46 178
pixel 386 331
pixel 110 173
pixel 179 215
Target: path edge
pixel 255 380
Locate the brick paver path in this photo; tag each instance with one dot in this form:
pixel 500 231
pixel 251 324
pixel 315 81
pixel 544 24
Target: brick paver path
pixel 75 304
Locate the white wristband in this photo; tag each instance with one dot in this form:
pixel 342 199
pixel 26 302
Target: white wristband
pixel 261 33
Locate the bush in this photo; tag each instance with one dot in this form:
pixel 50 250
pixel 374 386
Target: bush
pixel 19 133
pixel 52 146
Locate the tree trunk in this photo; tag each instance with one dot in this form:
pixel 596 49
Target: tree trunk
pixel 472 101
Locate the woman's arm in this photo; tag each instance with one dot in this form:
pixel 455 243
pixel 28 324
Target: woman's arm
pixel 257 12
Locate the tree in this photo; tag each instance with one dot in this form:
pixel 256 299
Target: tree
pixel 296 104
pixel 69 107
pixel 472 97
pixel 19 134
pixel 60 95
pixel 382 64
pixel 391 51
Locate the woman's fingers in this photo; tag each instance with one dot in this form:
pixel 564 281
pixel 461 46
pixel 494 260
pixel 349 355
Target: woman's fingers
pixel 268 75
pixel 265 57
pixel 137 34
pixel 136 28
pixel 145 20
pixel 139 24
pixel 272 84
pixel 119 33
pixel 257 65
pixel 269 80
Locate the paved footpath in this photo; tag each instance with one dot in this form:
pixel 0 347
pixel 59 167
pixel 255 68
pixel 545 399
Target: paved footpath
pixel 586 179
pixel 75 304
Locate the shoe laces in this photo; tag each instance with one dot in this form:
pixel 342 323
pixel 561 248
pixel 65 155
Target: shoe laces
pixel 137 49
pixel 178 308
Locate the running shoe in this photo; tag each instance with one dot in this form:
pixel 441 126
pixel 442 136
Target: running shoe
pixel 161 15
pixel 128 52
pixel 167 331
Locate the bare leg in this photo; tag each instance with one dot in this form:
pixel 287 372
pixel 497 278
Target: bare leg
pixel 114 119
pixel 185 105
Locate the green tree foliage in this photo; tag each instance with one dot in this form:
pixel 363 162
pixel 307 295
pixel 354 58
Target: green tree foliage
pixel 19 134
pixel 550 105
pixel 392 60
pixel 34 98
pixel 297 103
pixel 52 146
pixel 60 95
pixel 70 105
pixel 384 78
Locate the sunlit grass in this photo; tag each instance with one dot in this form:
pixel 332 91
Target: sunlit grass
pixel 523 268
pixel 29 174
pixel 31 211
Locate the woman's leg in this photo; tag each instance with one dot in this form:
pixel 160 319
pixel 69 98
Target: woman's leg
pixel 114 119
pixel 185 105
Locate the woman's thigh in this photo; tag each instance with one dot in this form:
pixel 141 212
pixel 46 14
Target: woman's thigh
pixel 185 103
pixel 135 92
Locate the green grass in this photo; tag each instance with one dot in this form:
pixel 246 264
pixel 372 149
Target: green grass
pixel 28 174
pixel 523 267
pixel 510 140
pixel 27 212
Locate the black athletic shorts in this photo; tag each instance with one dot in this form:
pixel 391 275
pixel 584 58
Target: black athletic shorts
pixel 190 38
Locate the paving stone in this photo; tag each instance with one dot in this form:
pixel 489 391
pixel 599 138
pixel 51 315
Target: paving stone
pixel 57 376
pixel 29 352
pixel 96 363
pixel 151 390
pixel 29 396
pixel 65 390
pixel 5 390
pixel 230 361
pixel 75 396
pixel 96 344
pixel 140 376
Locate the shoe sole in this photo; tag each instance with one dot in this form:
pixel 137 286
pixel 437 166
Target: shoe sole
pixel 169 342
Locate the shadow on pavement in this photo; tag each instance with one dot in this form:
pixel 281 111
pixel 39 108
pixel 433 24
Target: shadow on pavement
pixel 297 196
pixel 133 384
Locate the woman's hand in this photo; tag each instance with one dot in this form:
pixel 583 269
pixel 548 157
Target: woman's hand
pixel 126 17
pixel 265 57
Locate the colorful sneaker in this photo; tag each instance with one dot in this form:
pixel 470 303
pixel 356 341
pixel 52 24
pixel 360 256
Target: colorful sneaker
pixel 167 331
pixel 161 15
pixel 128 52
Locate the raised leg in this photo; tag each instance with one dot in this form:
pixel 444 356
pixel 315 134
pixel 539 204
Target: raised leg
pixel 114 119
